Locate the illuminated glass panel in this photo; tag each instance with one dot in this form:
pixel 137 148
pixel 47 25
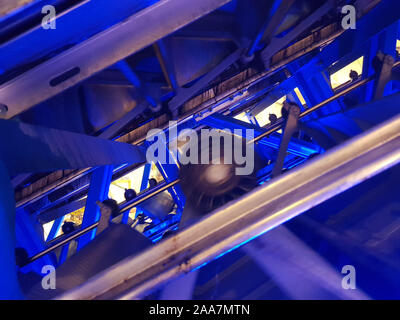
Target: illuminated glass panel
pixel 275 108
pixel 398 46
pixel 242 117
pixel 343 75
pixel 300 96
pixel 132 180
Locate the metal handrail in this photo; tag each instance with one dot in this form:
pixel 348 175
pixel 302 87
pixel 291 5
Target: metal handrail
pixel 123 208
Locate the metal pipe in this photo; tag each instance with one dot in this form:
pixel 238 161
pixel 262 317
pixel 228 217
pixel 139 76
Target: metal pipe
pixel 74 236
pixel 147 195
pixel 259 211
pixel 123 207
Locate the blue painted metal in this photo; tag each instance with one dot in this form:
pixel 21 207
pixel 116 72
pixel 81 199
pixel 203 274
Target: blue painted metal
pixel 185 94
pixel 9 288
pixel 292 97
pixel 317 88
pixel 112 45
pixel 167 63
pixel 98 191
pixel 277 44
pixel 30 236
pixel 278 11
pixel 384 41
pixel 170 172
pixel 146 175
pixel 71 29
pixel 359 119
pixel 382 16
pixel 301 75
pixel 156 232
pixel 351 45
pixel 134 79
pixel 63 254
pixel 143 186
pixel 145 181
pixel 45 149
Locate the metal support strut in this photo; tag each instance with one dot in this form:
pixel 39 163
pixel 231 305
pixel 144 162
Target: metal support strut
pixel 291 126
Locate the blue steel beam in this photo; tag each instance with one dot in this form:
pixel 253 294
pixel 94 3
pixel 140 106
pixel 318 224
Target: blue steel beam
pixel 125 68
pixel 317 88
pixel 348 46
pixel 166 63
pixel 383 15
pixel 185 94
pixel 381 40
pixel 110 46
pixel 340 52
pixel 277 44
pixel 300 271
pixel 98 191
pixel 44 149
pixel 30 236
pixel 143 186
pixel 310 74
pixel 9 288
pixel 70 29
pixel 275 18
pixel 170 172
pixel 296 147
pixel 50 215
pixel 46 214
pixel 359 119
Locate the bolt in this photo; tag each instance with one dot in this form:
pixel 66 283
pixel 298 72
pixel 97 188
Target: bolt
pixel 3 108
pixel 389 59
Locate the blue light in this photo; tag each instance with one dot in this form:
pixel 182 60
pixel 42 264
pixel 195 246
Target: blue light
pixel 236 247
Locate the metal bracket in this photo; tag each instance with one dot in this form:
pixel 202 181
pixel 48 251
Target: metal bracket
pixel 184 94
pixel 383 64
pixel 291 126
pixel 277 44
